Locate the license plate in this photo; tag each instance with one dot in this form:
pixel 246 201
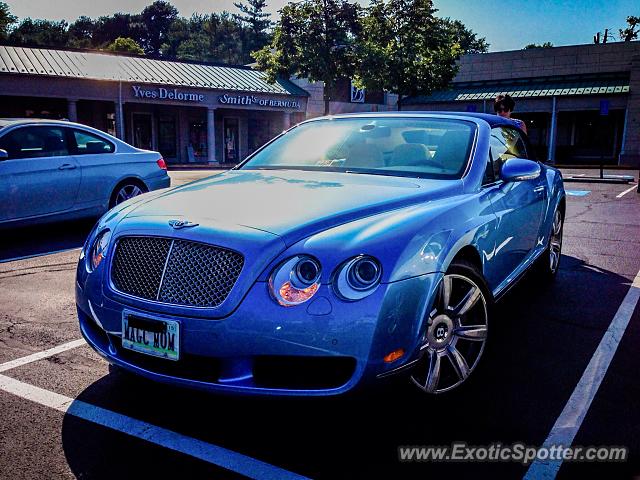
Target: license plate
pixel 151 336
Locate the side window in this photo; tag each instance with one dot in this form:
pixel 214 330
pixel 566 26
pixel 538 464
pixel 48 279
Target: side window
pixel 489 176
pixel 88 143
pixel 34 142
pixel 506 143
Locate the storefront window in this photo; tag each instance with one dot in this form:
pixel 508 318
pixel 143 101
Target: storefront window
pixel 197 140
pixel 142 135
pixel 259 133
pixel 167 136
pixel 111 124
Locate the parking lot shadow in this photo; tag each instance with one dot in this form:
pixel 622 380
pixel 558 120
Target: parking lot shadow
pixel 43 239
pixel 542 337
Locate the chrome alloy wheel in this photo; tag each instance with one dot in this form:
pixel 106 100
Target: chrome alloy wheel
pixel 126 192
pixel 555 242
pixel 455 336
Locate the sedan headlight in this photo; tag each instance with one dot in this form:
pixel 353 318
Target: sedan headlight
pixel 295 281
pixel 99 249
pixel 357 278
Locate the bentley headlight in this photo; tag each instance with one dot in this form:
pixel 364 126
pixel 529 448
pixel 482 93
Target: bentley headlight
pixel 99 249
pixel 357 278
pixel 295 281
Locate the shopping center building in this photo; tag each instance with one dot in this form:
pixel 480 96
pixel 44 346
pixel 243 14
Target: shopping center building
pixel 581 103
pixel 192 113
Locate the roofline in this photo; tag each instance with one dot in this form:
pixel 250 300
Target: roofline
pixel 573 45
pixel 127 54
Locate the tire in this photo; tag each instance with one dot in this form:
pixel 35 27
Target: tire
pixel 456 330
pixel 126 190
pixel 549 262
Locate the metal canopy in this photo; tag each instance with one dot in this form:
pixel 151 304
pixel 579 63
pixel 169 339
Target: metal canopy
pixel 103 66
pixel 528 88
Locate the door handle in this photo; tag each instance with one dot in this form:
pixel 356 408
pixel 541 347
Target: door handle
pixel 66 166
pixel 539 189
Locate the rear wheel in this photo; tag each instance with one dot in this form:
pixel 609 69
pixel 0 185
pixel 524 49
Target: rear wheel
pixel 549 261
pixel 126 190
pixel 456 332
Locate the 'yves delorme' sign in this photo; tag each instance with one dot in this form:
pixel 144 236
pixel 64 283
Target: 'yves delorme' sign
pixel 227 99
pixel 162 93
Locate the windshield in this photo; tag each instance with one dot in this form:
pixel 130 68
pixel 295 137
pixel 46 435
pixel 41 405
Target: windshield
pixel 415 147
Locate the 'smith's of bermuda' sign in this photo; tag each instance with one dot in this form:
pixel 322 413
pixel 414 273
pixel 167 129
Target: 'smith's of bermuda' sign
pixel 227 99
pixel 162 93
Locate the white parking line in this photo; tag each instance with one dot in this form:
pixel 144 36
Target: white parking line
pixel 208 452
pixel 620 195
pixel 43 254
pixel 40 355
pixel 574 412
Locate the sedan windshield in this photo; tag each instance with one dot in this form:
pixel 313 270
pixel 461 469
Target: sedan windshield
pixel 416 147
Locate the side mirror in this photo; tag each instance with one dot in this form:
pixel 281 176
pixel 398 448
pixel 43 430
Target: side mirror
pixel 3 155
pixel 518 169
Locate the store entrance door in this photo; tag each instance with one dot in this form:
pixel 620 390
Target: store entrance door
pixel 142 131
pixel 231 141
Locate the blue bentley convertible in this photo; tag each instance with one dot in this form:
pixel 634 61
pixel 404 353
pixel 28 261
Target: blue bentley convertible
pixel 348 249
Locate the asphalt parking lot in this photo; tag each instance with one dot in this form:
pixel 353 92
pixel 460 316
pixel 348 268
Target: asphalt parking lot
pixel 64 415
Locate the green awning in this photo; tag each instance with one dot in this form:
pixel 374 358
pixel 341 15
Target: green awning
pixel 528 88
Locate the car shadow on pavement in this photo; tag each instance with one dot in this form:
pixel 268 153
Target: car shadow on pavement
pixel 542 337
pixel 43 239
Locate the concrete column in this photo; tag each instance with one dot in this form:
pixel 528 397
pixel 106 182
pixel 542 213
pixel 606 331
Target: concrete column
pixel 119 120
pixel 553 131
pixel 72 110
pixel 211 135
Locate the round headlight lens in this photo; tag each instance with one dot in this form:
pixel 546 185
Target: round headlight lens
pixel 295 281
pixel 99 249
pixel 357 278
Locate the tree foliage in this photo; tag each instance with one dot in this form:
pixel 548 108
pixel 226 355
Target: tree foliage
pixel 6 20
pixel 31 33
pixel 536 45
pixel 404 48
pixel 257 20
pixel 157 29
pixel 126 45
pixel 313 39
pixel 631 32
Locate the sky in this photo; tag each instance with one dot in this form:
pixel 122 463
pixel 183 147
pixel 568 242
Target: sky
pixel 506 24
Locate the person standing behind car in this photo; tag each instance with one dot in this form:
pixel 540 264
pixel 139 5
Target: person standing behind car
pixel 503 106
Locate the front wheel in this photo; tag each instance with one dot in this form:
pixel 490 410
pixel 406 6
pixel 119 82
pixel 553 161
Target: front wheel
pixel 456 332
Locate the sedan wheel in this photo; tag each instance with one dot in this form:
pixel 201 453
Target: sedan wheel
pixel 125 192
pixel 456 331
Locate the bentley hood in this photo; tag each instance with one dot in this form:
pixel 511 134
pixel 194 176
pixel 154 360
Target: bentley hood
pixel 288 203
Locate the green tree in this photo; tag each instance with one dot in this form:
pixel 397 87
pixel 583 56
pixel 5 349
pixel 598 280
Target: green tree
pixel 6 20
pixel 124 25
pixel 81 33
pixel 536 45
pixel 257 20
pixel 467 39
pixel 631 32
pixel 157 19
pixel 313 39
pixel 36 33
pixel 405 49
pixel 126 45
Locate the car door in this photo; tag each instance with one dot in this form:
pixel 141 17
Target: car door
pixel 97 159
pixel 39 177
pixel 518 205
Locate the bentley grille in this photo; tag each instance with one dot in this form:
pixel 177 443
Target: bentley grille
pixel 177 272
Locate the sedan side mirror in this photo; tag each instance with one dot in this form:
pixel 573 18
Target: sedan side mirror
pixel 3 155
pixel 518 169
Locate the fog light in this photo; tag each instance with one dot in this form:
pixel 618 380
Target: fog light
pixel 395 355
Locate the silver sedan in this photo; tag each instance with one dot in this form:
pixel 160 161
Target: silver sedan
pixel 57 170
